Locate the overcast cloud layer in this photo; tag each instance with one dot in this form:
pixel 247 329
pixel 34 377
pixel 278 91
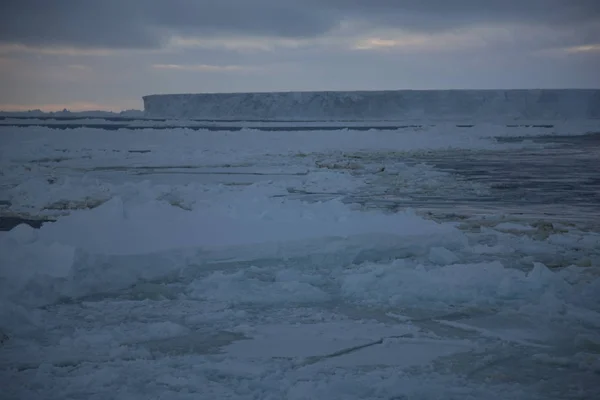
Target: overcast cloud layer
pixel 112 52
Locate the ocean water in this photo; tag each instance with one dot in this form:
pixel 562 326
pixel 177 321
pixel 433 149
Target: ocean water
pixel 317 261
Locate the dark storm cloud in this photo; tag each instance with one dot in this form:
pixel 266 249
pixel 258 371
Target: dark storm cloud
pixel 148 23
pixel 433 15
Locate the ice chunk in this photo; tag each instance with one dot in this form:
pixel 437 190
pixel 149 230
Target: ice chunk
pixel 153 226
pixel 442 256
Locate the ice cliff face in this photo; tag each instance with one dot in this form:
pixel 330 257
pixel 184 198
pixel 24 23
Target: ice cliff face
pixel 374 105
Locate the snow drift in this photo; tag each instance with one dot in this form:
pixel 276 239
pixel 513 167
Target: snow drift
pixel 400 104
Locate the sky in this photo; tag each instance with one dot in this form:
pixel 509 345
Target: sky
pixel 107 54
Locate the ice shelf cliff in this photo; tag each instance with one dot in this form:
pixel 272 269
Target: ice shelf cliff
pixel 542 104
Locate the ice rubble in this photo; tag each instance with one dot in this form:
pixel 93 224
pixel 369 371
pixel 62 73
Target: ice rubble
pixel 267 295
pixel 205 289
pixel 123 232
pixel 159 216
pixel 46 170
pixel 130 242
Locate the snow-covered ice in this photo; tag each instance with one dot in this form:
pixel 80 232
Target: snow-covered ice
pixel 344 264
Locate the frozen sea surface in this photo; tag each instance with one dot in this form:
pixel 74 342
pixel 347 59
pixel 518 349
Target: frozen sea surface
pixel 427 262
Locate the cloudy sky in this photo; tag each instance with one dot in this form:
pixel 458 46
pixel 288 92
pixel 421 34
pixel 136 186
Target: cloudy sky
pixel 106 54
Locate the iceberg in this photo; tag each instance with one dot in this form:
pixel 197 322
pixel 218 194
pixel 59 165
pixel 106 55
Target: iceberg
pixel 523 104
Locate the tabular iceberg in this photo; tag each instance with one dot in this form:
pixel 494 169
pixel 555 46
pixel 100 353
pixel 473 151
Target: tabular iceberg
pixel 542 104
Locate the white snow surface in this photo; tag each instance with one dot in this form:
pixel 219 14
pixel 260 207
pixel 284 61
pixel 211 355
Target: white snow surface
pixel 182 266
pixel 398 105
